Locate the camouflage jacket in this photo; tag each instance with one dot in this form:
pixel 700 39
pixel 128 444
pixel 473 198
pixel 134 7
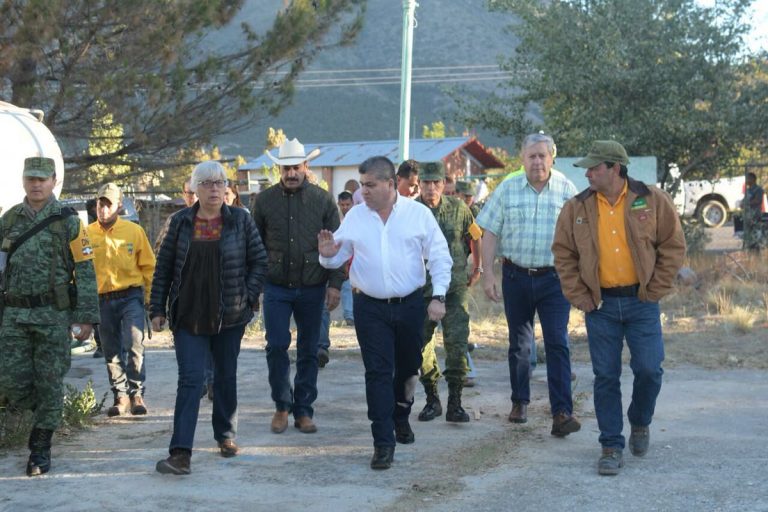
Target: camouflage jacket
pixel 55 263
pixel 454 219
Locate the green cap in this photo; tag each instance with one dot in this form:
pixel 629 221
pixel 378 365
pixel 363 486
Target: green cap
pixel 111 192
pixel 465 187
pixel 604 151
pixel 39 167
pixel 431 171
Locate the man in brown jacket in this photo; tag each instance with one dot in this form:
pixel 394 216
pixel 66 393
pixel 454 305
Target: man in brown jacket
pixel 618 246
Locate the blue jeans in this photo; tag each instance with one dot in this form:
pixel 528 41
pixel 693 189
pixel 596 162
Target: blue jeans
pixel 346 300
pixel 638 322
pixel 191 352
pixel 325 326
pixel 306 306
pixel 524 296
pixel 122 342
pixel 390 338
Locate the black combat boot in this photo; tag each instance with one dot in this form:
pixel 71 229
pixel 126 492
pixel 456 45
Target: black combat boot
pixel 455 413
pixel 434 408
pixel 39 452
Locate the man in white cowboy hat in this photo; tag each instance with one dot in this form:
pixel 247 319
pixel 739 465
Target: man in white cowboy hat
pixel 289 216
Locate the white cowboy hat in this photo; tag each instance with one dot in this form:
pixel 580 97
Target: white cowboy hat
pixel 291 152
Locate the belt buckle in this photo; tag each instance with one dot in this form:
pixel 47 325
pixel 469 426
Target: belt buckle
pixel 532 272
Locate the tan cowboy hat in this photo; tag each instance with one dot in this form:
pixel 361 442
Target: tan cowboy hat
pixel 291 152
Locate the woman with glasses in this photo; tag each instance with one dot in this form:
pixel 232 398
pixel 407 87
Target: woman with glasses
pixel 209 274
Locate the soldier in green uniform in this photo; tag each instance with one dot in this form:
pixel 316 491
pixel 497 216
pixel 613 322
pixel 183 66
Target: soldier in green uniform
pixel 49 286
pixel 466 192
pixel 458 225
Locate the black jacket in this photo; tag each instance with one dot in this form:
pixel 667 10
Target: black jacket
pixel 243 265
pixel 289 222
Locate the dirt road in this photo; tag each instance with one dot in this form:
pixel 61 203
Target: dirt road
pixel 708 451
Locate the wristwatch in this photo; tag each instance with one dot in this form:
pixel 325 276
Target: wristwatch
pixel 439 298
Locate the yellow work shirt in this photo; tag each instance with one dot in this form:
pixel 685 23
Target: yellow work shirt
pixel 615 267
pixel 123 257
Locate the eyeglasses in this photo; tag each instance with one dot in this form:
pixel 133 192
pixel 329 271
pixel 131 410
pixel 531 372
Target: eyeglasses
pixel 212 184
pixel 290 167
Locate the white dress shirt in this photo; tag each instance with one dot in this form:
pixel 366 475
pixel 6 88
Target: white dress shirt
pixel 389 258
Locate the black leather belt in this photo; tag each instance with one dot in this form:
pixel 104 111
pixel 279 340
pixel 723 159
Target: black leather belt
pixel 621 291
pixel 119 294
pixel 28 301
pixel 533 272
pixel 391 300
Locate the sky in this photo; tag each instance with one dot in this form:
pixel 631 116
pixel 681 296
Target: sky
pixel 759 22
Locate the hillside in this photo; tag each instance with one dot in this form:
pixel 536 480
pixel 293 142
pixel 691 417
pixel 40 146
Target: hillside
pixel 461 34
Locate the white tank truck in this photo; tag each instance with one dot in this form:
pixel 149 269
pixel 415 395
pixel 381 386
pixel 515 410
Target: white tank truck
pixel 22 135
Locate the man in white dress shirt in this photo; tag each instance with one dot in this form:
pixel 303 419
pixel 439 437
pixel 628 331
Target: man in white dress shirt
pixel 392 238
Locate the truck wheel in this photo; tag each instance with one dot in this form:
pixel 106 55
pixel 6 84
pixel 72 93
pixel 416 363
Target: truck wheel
pixel 713 214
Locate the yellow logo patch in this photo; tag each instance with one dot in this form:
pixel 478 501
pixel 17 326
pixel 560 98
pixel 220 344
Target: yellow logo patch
pixel 475 231
pixel 81 247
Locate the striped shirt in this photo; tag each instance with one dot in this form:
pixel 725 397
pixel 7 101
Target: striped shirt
pixel 524 219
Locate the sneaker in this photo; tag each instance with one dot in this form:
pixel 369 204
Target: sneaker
pixel 121 406
pixel 177 464
pixel 564 424
pixel 611 461
pixel 138 407
pixel 639 439
pixel 322 357
pixel 228 448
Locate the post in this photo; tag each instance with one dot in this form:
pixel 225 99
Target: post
pixel 409 7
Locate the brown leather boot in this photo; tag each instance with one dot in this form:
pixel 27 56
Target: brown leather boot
pixel 279 422
pixel 519 413
pixel 121 406
pixel 305 425
pixel 138 408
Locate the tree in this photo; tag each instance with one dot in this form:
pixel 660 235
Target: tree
pixel 665 77
pixel 151 66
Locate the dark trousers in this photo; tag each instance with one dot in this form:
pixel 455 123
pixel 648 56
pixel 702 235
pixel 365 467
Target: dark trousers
pixel 524 296
pixel 191 353
pixel 306 306
pixel 122 342
pixel 390 338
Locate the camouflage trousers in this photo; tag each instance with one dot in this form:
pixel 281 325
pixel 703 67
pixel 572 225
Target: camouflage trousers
pixel 33 362
pixel 455 335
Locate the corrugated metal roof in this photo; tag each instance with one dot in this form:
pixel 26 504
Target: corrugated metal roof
pixel 352 154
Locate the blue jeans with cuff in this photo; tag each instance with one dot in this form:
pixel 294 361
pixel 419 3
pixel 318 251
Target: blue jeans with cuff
pixel 617 319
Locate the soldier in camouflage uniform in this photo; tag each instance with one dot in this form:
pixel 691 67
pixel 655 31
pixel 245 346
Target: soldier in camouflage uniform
pixel 458 225
pixel 49 286
pixel 466 192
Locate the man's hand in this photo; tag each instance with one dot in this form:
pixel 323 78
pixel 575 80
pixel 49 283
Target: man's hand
pixel 326 245
pixel 332 297
pixel 83 331
pixel 436 310
pixel 491 287
pixel 158 323
pixel 474 277
pixel 585 304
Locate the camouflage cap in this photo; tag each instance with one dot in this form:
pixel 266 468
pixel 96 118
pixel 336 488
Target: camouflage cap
pixel 604 151
pixel 465 187
pixel 431 171
pixel 39 167
pixel 111 192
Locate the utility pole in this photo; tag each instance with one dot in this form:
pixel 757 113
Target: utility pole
pixel 409 8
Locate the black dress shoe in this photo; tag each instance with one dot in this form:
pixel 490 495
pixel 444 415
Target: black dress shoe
pixel 382 457
pixel 404 434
